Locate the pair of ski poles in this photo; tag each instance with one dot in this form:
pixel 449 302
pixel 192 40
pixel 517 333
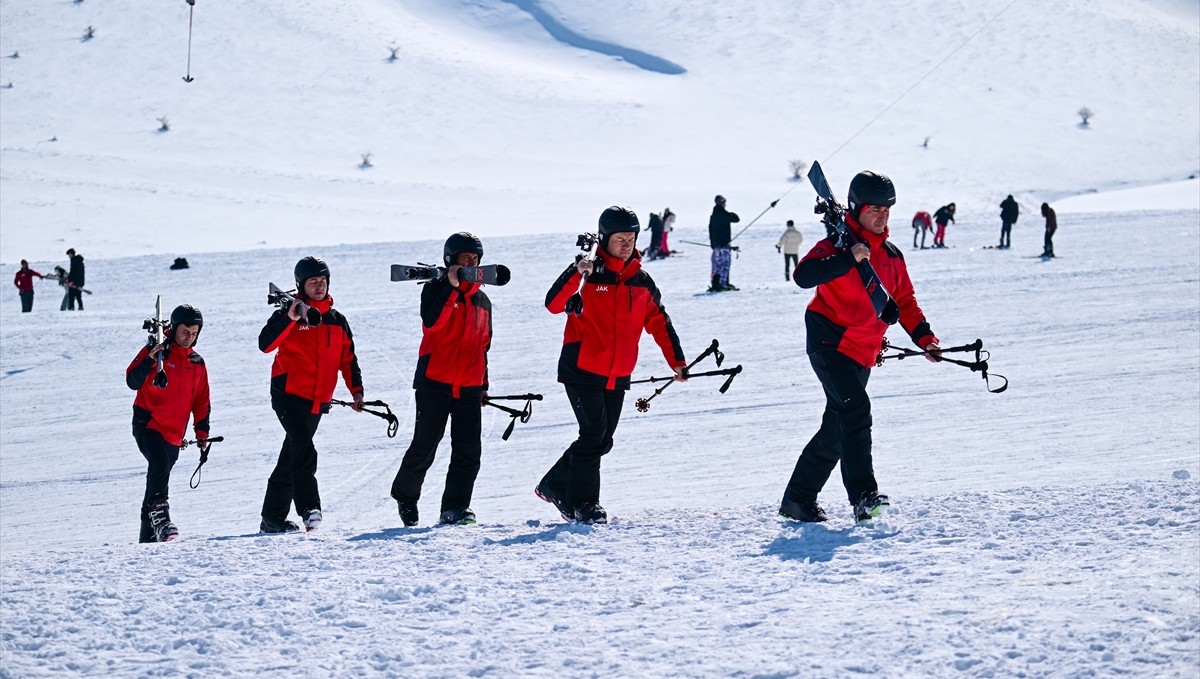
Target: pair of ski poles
pixel 643 404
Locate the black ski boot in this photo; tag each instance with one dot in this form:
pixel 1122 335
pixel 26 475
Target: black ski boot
pixel 457 516
pixel 408 513
pixel 160 521
pixel 271 524
pixel 147 534
pixel 807 511
pixel 567 512
pixel 870 505
pixel 591 513
pixel 716 285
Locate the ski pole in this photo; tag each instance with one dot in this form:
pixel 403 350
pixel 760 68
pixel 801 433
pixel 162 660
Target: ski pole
pixel 523 414
pixel 392 420
pixel 773 203
pixel 706 245
pixel 643 404
pixel 518 397
pixel 194 481
pixel 712 349
pixel 979 365
pixel 187 78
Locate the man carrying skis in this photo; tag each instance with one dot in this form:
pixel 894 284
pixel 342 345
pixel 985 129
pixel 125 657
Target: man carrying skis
pixel 451 381
pixel 24 282
pixel 719 231
pixel 844 339
pixel 75 280
pixel 303 376
pixel 160 414
pixel 600 350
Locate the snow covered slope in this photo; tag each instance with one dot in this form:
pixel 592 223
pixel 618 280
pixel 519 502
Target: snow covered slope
pixel 514 117
pixel 1048 531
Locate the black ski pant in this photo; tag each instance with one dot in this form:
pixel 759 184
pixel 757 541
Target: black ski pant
pixel 27 301
pixel 1048 245
pixel 845 433
pixel 74 295
pixel 433 409
pixel 576 475
pixel 160 459
pixel 1005 233
pixel 790 262
pixel 294 478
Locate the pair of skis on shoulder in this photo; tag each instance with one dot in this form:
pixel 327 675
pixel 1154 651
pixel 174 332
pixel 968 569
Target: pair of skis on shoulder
pixel 490 274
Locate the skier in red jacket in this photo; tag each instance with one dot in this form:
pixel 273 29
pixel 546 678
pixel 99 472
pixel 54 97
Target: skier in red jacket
pixel 844 340
pixel 24 282
pixel 160 414
pixel 600 350
pixel 451 381
pixel 304 374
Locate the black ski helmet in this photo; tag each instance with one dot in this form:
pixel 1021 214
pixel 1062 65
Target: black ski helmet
pixel 617 219
pixel 870 188
pixel 186 314
pixel 463 241
pixel 309 267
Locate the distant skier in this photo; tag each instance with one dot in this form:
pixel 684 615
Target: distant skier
pixel 656 232
pixel 921 223
pixel 943 216
pixel 600 350
pixel 844 337
pixel 1009 211
pixel 303 376
pixel 789 244
pixel 75 280
pixel 1051 227
pixel 719 232
pixel 160 414
pixel 24 283
pixel 668 219
pixel 451 380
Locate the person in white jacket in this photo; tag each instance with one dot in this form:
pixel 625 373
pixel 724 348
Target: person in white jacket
pixel 789 244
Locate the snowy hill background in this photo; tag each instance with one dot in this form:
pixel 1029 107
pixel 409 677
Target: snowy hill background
pixel 487 121
pixel 1048 531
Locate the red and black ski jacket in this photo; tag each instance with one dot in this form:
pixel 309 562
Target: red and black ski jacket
pixel 309 357
pixel 840 316
pixel 166 410
pixel 24 279
pixel 456 326
pixel 600 346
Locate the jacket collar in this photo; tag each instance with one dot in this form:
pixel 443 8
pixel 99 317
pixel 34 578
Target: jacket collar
pixel 865 236
pixel 623 270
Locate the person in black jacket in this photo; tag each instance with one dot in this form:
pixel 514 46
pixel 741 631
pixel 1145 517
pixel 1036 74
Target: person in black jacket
pixel 75 278
pixel 718 238
pixel 943 216
pixel 451 383
pixel 1009 211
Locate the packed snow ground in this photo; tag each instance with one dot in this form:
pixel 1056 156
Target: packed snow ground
pixel 1052 530
pixel 1047 531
